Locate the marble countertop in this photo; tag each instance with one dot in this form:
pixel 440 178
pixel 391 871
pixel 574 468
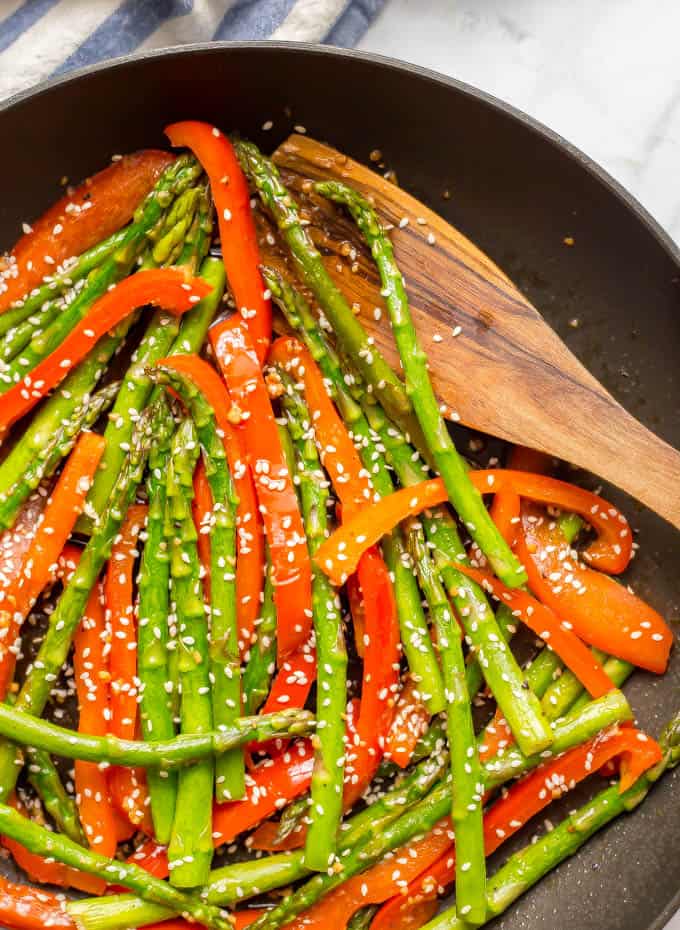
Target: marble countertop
pixel 604 75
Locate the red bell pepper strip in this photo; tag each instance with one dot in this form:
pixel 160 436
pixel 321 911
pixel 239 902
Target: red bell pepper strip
pixel 611 551
pixel 542 621
pixel 92 212
pixel 250 561
pixel 238 237
pixel 49 871
pixel 53 529
pixel 601 611
pixel 380 679
pixel 26 908
pixel 353 487
pixel 169 288
pixel 127 786
pixel 91 669
pixel 270 785
pixel 338 453
pixel 505 506
pixel 524 800
pixel 201 508
pixel 291 566
pixel 411 719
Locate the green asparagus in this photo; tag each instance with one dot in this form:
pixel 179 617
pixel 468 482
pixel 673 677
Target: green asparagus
pixel 53 845
pixel 190 849
pixel 327 777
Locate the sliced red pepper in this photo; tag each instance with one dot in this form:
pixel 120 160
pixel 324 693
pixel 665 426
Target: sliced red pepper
pixel 25 908
pixel 338 453
pixel 506 504
pixel 152 857
pixel 127 786
pixel 542 621
pixel 601 611
pixel 353 487
pixel 524 800
pixel 170 288
pixel 39 564
pixel 268 786
pixel 240 251
pixel 411 719
pixel 91 669
pixel 92 212
pixel 611 551
pixel 291 566
pixel 380 678
pixel 250 560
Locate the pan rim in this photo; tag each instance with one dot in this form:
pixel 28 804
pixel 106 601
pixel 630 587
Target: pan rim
pixel 388 63
pixel 496 104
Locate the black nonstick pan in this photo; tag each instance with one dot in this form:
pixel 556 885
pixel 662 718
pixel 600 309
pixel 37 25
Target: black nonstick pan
pixel 518 191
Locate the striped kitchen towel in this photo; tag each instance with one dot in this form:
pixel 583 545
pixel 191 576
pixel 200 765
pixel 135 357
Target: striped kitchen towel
pixel 40 38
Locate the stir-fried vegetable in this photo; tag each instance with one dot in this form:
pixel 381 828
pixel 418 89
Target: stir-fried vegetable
pixel 275 526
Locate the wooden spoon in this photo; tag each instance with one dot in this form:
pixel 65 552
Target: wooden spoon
pixel 493 358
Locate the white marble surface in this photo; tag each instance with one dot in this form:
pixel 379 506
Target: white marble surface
pixel 605 75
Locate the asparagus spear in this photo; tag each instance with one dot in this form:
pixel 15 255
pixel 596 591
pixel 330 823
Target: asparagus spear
pixel 466 809
pixel 45 843
pixel 58 446
pixel 528 866
pixel 62 808
pixel 62 406
pixel 64 279
pixel 224 650
pixel 179 751
pixel 424 815
pixel 466 500
pixel 174 180
pixel 64 619
pixel 166 331
pixel 19 337
pixel 259 670
pixel 504 676
pixel 331 694
pixel 243 880
pixel 190 849
pixel 363 917
pixel 153 636
pixel 413 624
pixel 308 263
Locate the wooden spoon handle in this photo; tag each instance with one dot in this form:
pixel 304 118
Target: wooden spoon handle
pixel 638 462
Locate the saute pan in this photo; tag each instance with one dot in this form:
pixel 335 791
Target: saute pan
pixel 517 190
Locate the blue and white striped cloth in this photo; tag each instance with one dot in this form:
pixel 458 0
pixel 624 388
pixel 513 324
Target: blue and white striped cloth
pixel 40 38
